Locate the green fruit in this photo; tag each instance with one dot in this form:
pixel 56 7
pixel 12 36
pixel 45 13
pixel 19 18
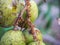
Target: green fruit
pixel 28 36
pixel 33 9
pixel 13 38
pixel 36 43
pixel 33 43
pixel 38 33
pixel 7 13
pixel 3 30
pixel 42 43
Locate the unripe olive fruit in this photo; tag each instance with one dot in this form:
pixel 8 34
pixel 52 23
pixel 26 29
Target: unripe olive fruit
pixel 13 38
pixel 7 13
pixel 29 36
pixel 36 43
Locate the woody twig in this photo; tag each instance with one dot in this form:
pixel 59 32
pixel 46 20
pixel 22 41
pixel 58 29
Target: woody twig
pixel 31 25
pixel 19 18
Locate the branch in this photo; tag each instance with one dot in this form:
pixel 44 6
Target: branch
pixel 19 17
pixel 32 26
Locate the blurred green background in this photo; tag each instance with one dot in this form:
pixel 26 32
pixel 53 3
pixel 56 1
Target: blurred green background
pixel 47 21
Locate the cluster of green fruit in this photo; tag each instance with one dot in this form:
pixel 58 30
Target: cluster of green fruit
pixel 20 38
pixel 8 12
pixel 8 15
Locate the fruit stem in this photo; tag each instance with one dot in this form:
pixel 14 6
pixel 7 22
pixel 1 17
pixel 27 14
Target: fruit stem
pixel 19 18
pixel 32 26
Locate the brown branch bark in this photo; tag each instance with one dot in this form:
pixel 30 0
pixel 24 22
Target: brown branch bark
pixel 19 17
pixel 31 25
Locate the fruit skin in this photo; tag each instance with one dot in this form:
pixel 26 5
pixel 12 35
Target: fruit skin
pixel 38 33
pixel 36 43
pixel 13 38
pixel 7 13
pixel 3 30
pixel 33 43
pixel 29 37
pixel 33 9
pixel 42 43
